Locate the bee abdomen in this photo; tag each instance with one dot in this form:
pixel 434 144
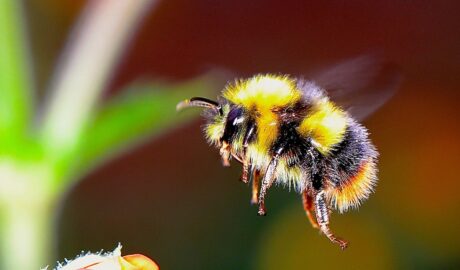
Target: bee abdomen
pixel 352 173
pixel 355 189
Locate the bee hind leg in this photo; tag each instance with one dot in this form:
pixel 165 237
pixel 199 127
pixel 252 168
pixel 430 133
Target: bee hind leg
pixel 307 201
pixel 322 217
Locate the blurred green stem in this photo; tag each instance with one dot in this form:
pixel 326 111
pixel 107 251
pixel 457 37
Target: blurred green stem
pixel 27 232
pixel 15 92
pixel 88 60
pixel 26 216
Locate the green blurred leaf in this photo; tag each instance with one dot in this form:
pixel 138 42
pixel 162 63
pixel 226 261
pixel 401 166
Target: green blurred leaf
pixel 137 113
pixel 15 95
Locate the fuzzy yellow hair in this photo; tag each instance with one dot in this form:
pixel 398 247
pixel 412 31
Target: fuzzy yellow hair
pixel 326 125
pixel 263 92
pixel 262 95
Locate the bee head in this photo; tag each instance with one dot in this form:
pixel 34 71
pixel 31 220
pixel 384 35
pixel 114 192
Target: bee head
pixel 215 114
pixel 223 121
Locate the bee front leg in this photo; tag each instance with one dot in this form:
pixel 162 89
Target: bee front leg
pixel 225 154
pixel 307 200
pixel 322 217
pixel 248 136
pixel 267 182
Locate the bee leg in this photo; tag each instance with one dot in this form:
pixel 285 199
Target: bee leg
pixel 267 182
pixel 255 186
pixel 307 200
pixel 225 154
pixel 248 136
pixel 244 176
pixel 322 216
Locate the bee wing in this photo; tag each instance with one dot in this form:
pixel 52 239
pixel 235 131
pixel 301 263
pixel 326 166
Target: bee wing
pixel 360 85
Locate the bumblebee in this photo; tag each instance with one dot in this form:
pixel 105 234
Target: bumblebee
pixel 290 131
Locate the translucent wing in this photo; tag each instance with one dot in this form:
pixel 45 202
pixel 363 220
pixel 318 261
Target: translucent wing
pixel 360 85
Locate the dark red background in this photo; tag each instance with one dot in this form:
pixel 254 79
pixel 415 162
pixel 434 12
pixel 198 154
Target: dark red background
pixel 171 200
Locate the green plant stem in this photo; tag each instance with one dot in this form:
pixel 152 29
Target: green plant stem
pixel 26 222
pixel 26 236
pixel 15 92
pixel 88 61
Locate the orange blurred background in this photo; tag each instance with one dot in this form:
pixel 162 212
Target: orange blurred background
pixel 170 199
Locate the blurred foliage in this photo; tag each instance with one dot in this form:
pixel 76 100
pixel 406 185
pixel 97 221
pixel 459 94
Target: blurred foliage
pixel 137 113
pixel 33 173
pixel 15 84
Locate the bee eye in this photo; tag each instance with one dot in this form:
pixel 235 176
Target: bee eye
pixel 234 118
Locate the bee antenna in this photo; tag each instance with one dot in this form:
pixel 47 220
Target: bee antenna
pixel 200 102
